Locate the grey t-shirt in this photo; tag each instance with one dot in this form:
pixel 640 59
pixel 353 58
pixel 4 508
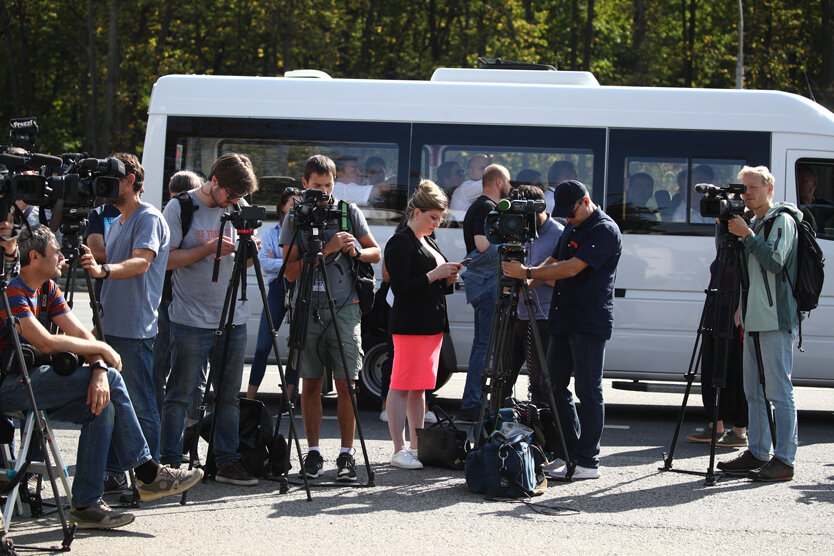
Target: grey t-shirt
pixel 198 301
pixel 130 304
pixel 339 265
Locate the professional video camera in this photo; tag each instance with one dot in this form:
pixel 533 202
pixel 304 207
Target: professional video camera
pixel 246 218
pixel 721 202
pixel 514 221
pixel 316 210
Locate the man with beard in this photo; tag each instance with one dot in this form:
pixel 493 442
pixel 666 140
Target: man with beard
pixel 137 253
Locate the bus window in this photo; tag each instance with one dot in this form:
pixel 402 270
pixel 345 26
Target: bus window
pixel 815 192
pixel 369 158
pixel 459 169
pixel 653 173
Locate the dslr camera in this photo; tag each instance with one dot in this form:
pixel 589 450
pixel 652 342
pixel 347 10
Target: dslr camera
pixel 721 202
pixel 514 220
pixel 316 210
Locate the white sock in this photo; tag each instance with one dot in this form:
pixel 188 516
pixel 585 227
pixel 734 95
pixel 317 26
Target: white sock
pixel 314 449
pixel 344 450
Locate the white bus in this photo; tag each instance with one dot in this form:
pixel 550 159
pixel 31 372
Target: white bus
pixel 527 120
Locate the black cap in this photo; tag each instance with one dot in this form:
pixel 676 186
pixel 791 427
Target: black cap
pixel 566 194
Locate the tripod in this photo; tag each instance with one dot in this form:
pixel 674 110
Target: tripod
pixel 503 321
pixel 717 321
pixel 311 268
pixel 40 425
pixel 246 249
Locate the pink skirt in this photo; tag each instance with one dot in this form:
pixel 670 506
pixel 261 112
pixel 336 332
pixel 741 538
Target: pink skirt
pixel 416 358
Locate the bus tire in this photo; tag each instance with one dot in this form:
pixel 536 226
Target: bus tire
pixel 370 378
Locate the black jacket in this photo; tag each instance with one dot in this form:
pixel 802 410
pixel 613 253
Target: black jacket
pixel 419 307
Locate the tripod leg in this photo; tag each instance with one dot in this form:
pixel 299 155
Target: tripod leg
pixel 760 368
pixel 350 387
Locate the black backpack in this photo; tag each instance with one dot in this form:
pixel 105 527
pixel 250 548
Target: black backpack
pixel 363 273
pixel 187 208
pixel 810 273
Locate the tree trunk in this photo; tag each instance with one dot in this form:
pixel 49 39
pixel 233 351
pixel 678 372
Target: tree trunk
pixel 25 67
pixel 287 37
pixel 91 120
pixel 589 36
pixel 574 25
pixel 638 39
pixel 7 29
pixel 112 76
pixel 740 56
pixel 827 69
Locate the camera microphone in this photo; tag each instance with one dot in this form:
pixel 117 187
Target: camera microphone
pixel 504 205
pixel 37 160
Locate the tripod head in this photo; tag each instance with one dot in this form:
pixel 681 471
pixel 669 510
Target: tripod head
pixel 511 252
pixel 245 220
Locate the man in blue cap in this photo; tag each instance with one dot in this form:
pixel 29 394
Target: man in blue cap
pixel 584 266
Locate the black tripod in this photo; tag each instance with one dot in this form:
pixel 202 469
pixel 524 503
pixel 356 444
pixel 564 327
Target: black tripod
pixel 246 249
pixel 503 323
pixel 72 227
pixel 313 267
pixel 40 425
pixel 717 321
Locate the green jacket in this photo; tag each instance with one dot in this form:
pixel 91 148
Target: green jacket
pixel 769 304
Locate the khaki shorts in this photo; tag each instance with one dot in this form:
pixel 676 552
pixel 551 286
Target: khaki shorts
pixel 322 349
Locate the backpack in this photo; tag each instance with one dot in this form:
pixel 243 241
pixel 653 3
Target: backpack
pixel 810 273
pixel 363 272
pixel 187 209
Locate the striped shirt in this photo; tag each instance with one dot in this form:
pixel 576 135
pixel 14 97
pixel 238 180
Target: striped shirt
pixel 26 303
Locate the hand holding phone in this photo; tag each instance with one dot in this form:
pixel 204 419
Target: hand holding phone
pixel 465 261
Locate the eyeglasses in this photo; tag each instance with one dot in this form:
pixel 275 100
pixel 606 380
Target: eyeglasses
pixel 461 173
pixel 232 196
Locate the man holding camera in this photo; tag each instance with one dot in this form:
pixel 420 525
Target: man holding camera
pixel 322 349
pixel 768 314
pixel 584 266
pixel 94 396
pixel 195 313
pixel 137 253
pixel 480 279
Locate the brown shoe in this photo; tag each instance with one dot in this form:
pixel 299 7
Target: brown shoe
pixel 772 471
pixel 235 474
pixel 743 463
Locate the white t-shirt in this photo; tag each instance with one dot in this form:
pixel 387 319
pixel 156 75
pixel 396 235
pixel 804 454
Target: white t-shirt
pixel 464 196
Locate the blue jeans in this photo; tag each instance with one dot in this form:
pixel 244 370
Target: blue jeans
pixel 162 364
pixel 137 362
pixel 482 295
pixel 777 360
pixel 66 400
pixel 277 310
pixel 582 356
pixel 190 346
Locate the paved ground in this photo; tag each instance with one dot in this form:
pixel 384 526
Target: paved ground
pixel 633 508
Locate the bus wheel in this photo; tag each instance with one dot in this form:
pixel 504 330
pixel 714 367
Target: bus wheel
pixel 370 379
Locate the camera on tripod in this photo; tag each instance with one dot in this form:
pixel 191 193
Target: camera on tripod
pixel 514 220
pixel 721 202
pixel 246 218
pixel 316 210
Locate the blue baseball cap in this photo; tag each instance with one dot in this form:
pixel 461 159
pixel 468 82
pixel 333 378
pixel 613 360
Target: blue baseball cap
pixel 566 194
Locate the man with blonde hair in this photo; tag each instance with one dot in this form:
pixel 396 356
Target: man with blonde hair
pixel 769 317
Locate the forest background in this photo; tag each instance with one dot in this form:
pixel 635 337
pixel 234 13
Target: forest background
pixel 86 69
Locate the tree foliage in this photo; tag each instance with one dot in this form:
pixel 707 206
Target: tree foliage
pixel 86 68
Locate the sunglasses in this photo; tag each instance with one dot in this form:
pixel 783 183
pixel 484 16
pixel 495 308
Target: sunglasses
pixel 460 173
pixel 572 214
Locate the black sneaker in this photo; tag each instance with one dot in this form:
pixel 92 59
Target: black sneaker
pixel 235 474
pixel 743 463
pixel 772 471
pixel 313 464
pixel 115 484
pixel 100 516
pixel 346 467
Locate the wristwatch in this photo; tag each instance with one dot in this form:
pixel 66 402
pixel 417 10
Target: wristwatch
pixel 106 268
pixel 528 273
pixel 99 365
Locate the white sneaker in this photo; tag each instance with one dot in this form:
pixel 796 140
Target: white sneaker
pixel 383 416
pixel 554 465
pixel 430 418
pixel 405 459
pixel 578 473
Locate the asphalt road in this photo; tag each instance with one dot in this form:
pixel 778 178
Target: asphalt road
pixel 633 508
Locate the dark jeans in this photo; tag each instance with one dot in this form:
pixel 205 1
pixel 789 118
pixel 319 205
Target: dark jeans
pixel 580 356
pixel 277 310
pixel 732 406
pixel 520 348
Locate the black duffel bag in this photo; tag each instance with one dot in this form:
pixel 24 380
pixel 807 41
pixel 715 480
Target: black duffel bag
pixel 442 444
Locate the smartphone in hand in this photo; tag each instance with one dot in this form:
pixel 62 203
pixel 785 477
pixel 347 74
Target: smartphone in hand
pixel 466 261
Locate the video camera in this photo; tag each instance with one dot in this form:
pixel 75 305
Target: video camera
pixel 316 210
pixel 514 220
pixel 721 202
pixel 246 218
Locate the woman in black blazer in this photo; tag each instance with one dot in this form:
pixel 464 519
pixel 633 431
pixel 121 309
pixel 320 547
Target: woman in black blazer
pixel 420 280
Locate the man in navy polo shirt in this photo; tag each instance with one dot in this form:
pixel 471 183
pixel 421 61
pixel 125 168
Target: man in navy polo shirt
pixel 584 266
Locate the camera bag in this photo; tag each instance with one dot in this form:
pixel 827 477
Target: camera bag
pixel 363 272
pixel 505 466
